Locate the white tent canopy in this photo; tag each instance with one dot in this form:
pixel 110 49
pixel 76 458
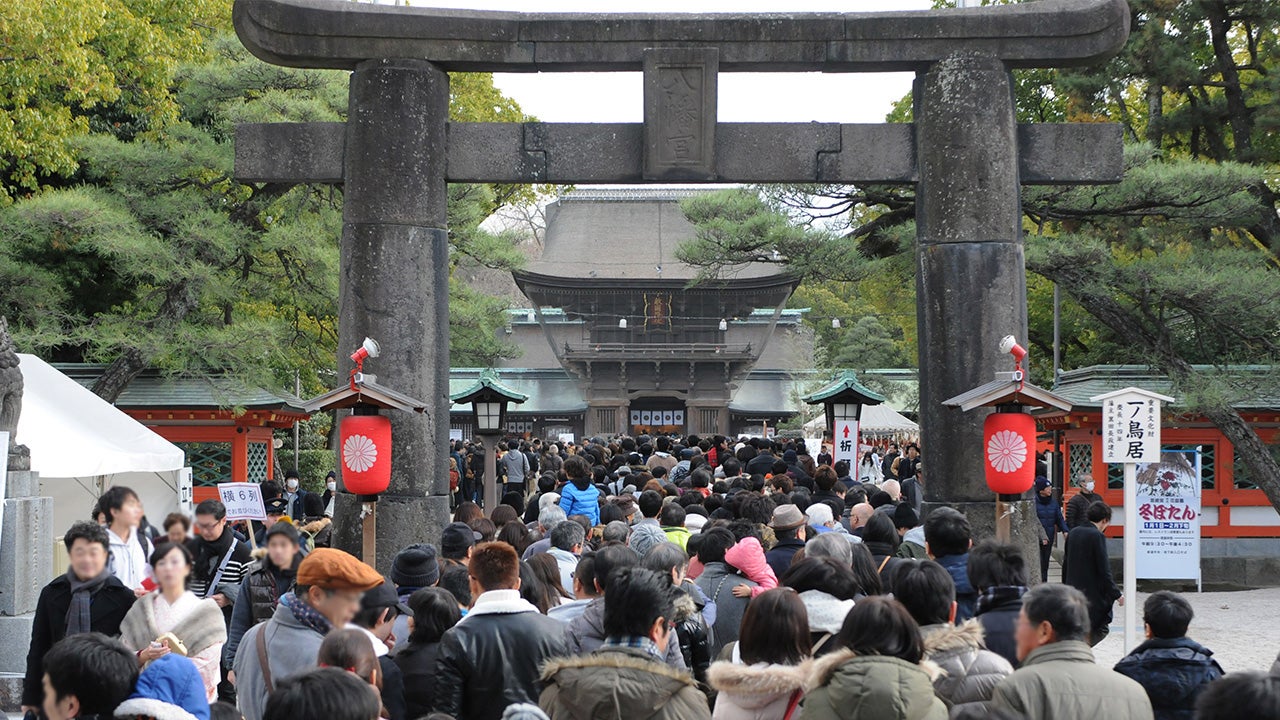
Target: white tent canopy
pixel 81 445
pixel 876 420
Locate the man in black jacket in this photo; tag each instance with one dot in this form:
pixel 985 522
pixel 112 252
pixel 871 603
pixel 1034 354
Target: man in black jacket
pixel 492 658
pixel 1078 506
pixel 999 573
pixel 1086 567
pixel 1172 667
pixel 89 598
pixel 378 611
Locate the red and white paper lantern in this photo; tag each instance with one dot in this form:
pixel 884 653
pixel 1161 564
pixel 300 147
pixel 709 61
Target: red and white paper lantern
pixel 366 454
pixel 1009 450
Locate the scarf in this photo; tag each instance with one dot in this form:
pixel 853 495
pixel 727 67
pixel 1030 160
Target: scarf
pixel 998 595
pixel 305 614
pixel 79 617
pixel 202 627
pixel 211 553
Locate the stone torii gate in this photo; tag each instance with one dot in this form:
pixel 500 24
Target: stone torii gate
pixel 965 153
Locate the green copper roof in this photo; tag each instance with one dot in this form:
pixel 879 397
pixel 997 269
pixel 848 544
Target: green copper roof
pixel 151 389
pixel 488 380
pixel 845 383
pixel 1255 387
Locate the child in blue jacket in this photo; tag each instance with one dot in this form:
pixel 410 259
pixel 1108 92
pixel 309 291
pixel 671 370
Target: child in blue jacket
pixel 580 497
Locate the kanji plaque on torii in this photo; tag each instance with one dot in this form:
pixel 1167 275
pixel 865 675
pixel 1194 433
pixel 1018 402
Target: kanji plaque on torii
pixel 965 153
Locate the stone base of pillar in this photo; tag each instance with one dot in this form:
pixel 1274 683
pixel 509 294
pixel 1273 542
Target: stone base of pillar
pixel 1022 527
pixel 15 638
pixel 402 521
pixel 11 684
pixel 26 553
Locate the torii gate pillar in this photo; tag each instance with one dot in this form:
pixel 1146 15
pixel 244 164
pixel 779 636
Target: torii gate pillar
pixel 971 285
pixel 394 283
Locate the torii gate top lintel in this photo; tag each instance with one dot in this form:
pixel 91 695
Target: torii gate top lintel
pixel 341 34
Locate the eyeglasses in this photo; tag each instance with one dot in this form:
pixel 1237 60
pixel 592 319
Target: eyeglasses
pixel 206 527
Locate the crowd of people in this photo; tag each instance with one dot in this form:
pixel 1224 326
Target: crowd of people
pixel 643 577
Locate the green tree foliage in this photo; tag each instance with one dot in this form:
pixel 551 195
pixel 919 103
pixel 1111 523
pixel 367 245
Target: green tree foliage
pixel 69 65
pixel 157 257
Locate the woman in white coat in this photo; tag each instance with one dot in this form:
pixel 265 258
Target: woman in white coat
pixel 765 677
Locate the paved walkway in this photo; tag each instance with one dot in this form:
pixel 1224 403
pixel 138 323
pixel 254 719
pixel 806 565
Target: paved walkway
pixel 1236 626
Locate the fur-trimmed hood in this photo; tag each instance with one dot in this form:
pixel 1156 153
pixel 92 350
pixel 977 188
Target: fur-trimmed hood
pixel 826 666
pixel 316 526
pixel 755 686
pixel 618 682
pixel 685 607
pixel 947 637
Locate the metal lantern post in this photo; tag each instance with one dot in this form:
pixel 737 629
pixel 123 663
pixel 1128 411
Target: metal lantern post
pixel 842 400
pixel 364 450
pixel 489 399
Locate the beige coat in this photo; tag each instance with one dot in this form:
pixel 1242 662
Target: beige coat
pixel 756 692
pixel 619 684
pixel 1062 680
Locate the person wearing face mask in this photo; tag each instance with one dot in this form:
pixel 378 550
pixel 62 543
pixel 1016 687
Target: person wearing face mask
pixel 1049 512
pixel 1080 502
pixel 330 487
pixel 294 494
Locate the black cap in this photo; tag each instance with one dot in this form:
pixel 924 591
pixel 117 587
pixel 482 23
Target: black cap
pixel 277 506
pixel 384 596
pixel 456 538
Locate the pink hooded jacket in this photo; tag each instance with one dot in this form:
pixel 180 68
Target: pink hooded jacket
pixel 748 557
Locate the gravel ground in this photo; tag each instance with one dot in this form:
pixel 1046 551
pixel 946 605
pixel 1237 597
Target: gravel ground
pixel 1237 626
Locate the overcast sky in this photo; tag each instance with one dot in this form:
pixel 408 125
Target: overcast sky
pixel 744 97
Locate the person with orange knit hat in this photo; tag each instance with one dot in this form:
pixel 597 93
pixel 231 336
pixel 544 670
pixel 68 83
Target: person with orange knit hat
pixel 330 585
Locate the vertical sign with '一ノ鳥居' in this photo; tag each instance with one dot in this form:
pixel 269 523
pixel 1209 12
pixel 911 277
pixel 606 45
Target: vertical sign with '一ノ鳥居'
pixel 1130 427
pixel 1168 523
pixel 1131 437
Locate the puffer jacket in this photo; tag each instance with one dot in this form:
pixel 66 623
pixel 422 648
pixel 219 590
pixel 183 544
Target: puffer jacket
pixel 756 692
pixel 691 631
pixel 260 593
pixel 845 686
pixel 1173 671
pixel 1062 680
pixel 748 557
pixel 970 672
pixel 581 502
pixel 619 682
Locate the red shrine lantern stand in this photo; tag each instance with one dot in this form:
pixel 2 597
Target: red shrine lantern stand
pixel 364 439
pixel 1009 433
